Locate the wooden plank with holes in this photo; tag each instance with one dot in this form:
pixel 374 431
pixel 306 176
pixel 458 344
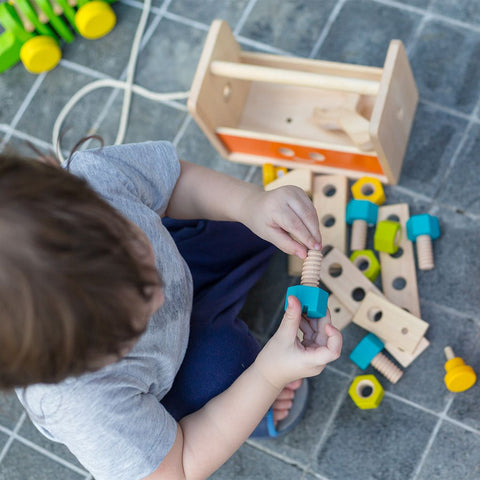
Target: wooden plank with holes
pixel 404 358
pixel 345 280
pixel 399 276
pixel 300 177
pixel 341 316
pixel 390 323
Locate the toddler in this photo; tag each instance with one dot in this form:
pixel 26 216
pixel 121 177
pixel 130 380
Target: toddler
pixel 121 279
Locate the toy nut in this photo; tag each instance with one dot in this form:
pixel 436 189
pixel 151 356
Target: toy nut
pixel 387 236
pixel 369 188
pixel 95 19
pixel 366 350
pixel 423 224
pixel 40 54
pixel 366 391
pixel 367 263
pixel 313 300
pixel 459 376
pixel 361 210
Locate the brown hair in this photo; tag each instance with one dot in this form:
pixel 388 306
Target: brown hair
pixel 73 275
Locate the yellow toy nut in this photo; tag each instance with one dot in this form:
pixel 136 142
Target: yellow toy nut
pixel 40 54
pixel 271 173
pixel 367 263
pixel 95 19
pixel 387 236
pixel 459 376
pixel 369 188
pixel 366 392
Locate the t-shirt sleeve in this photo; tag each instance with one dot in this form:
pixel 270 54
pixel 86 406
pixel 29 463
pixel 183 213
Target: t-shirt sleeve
pixel 115 428
pixel 147 171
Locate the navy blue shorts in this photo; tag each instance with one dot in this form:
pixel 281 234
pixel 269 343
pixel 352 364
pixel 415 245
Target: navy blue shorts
pixel 226 260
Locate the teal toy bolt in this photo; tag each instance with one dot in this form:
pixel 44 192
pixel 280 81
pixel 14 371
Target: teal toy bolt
pixel 360 214
pixel 422 229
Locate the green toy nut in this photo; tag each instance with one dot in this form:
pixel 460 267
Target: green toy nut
pixel 362 210
pixel 367 263
pixel 387 236
pixel 423 224
pixel 366 391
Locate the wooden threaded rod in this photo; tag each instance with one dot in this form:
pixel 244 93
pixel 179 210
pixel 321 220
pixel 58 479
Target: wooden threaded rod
pixel 387 368
pixel 358 239
pixel 311 268
pixel 425 252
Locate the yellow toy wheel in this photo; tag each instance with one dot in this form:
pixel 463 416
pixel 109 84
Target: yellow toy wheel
pixel 95 19
pixel 40 54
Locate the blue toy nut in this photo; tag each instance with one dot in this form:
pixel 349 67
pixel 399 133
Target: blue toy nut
pixel 366 350
pixel 362 210
pixel 423 224
pixel 313 300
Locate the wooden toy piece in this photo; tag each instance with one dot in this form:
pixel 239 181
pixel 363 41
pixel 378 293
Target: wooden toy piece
pixel 34 15
pixel 354 125
pixel 27 24
pixel 345 280
pixel 399 276
pixel 389 322
pixel 256 108
pixel 40 54
pixel 95 19
pixel 422 229
pixel 360 214
pixel 57 23
pixel 68 11
pixel 340 315
pixel 369 188
pixel 366 262
pixel 271 173
pixel 404 358
pixel 368 352
pixel 314 300
pixel 459 377
pixel 366 392
pixel 301 178
pixel 41 15
pixel 387 236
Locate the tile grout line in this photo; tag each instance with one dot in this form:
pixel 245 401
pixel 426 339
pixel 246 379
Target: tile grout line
pixel 435 431
pixel 181 130
pixel 243 17
pixel 90 72
pixel 12 435
pixel 23 107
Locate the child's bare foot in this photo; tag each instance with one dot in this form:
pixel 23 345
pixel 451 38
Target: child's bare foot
pixel 283 403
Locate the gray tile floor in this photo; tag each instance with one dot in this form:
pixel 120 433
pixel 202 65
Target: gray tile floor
pixel 420 431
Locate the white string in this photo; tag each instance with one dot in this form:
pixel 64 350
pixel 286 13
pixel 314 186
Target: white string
pixel 126 85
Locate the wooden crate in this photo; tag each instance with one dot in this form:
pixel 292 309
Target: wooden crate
pixel 257 108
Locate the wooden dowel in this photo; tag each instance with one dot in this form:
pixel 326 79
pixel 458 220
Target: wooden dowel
pixel 258 73
pixel 27 24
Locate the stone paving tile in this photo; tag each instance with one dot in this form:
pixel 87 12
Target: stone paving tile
pixel 347 41
pixel 249 463
pixel 434 139
pixel 445 66
pixel 22 463
pixel 297 26
pixel 383 443
pixel 14 87
pixel 461 186
pixel 208 10
pixel 10 409
pixel 326 390
pixel 423 4
pixel 56 89
pixel 169 60
pixel 30 432
pixel 453 455
pixel 109 54
pixel 467 11
pixel 3 441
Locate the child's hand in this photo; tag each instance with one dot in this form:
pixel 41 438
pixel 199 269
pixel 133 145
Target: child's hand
pixel 281 214
pixel 285 358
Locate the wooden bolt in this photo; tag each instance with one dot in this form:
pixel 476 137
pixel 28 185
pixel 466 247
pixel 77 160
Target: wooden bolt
pixel 311 268
pixel 386 367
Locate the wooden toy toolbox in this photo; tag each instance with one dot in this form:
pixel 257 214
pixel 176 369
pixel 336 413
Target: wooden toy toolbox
pixel 257 108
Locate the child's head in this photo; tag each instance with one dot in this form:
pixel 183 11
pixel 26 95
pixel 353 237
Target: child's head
pixel 76 278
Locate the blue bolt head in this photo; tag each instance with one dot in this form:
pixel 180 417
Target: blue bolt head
pixel 366 350
pixel 313 300
pixel 362 210
pixel 423 224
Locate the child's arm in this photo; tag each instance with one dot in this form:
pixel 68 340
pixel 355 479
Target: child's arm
pixel 204 193
pixel 208 437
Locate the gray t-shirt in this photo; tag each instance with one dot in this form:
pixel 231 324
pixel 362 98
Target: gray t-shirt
pixel 112 420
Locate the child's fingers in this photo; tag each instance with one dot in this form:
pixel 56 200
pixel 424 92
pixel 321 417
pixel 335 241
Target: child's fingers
pixel 335 339
pixel 304 210
pixel 291 319
pixel 289 245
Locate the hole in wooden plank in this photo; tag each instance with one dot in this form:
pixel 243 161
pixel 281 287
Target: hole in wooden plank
pixel 289 120
pixel 399 283
pixel 374 314
pixel 393 218
pixel 317 156
pixel 328 221
pixel 398 253
pixel 337 309
pixel 335 270
pixel 404 330
pixel 286 152
pixel 329 190
pixel 358 294
pixel 227 92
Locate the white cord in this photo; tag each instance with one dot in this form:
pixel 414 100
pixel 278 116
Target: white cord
pixel 126 85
